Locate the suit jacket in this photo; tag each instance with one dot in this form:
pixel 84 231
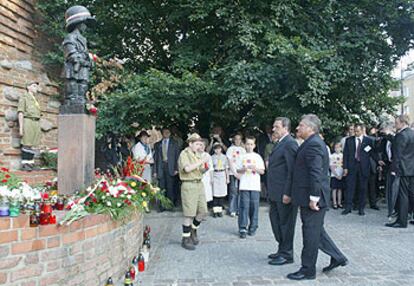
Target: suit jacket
pixel 281 161
pixel 310 173
pixel 382 149
pixel 350 163
pixel 173 153
pixel 403 153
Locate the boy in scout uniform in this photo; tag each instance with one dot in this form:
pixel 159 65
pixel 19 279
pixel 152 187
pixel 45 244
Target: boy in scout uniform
pixel 29 127
pixel 191 167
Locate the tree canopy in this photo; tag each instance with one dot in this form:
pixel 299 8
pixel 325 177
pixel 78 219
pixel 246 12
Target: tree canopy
pixel 241 63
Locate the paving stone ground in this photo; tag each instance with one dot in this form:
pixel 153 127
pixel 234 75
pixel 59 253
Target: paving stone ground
pixel 378 255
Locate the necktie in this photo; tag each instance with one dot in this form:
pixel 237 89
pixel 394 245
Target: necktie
pixel 389 153
pixel 358 150
pixel 164 150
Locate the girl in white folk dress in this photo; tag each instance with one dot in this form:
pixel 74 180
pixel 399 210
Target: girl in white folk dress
pixel 336 166
pixel 208 175
pixel 142 153
pixel 220 179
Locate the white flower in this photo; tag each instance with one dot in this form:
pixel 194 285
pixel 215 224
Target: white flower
pixel 118 205
pixel 113 191
pixel 108 204
pixel 129 197
pixel 4 192
pixel 103 197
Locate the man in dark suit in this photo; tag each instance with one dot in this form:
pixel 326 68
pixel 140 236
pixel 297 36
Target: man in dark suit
pixel 166 154
pixel 279 180
pixel 310 191
pixel 359 149
pixel 402 166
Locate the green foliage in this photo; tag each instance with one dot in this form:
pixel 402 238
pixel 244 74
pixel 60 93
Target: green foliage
pixel 49 160
pixel 245 62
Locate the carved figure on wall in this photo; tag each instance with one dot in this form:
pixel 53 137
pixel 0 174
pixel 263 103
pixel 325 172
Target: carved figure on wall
pixel 77 64
pixel 29 115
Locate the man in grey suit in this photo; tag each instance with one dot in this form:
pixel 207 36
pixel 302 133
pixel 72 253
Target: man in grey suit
pixel 310 191
pixel 279 180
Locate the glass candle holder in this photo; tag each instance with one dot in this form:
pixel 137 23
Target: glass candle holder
pixel 14 209
pixel 4 208
pixel 44 218
pixel 34 220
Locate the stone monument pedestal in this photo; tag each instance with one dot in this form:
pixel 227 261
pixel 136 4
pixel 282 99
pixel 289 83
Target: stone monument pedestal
pixel 76 155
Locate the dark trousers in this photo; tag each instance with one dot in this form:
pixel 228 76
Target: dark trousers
pixel 405 199
pixel 218 201
pixel 283 221
pixel 354 179
pixel 168 183
pixel 372 189
pixel 315 237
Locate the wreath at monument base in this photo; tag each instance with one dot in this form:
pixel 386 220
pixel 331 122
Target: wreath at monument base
pixel 119 196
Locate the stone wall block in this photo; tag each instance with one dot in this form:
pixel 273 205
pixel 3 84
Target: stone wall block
pixel 46 125
pixel 11 93
pixel 10 115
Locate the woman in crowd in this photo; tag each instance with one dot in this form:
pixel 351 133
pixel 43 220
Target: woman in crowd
pixel 142 153
pixel 220 179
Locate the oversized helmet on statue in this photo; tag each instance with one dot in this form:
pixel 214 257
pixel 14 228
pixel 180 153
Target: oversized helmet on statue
pixel 76 15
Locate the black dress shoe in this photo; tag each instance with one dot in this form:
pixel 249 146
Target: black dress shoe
pixel 375 208
pixel 300 276
pixel 335 264
pixel 361 212
pixel 280 261
pixel 411 221
pixel 273 255
pixel 396 225
pixel 345 212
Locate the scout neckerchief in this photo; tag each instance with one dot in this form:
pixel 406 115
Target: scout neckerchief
pixel 192 154
pixel 35 100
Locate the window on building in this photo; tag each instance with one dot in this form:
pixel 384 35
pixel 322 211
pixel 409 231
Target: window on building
pixel 406 91
pixel 406 109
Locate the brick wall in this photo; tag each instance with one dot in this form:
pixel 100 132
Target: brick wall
pixel 34 178
pixel 85 253
pixel 20 50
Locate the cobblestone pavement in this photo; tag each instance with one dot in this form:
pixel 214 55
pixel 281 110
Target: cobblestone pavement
pixel 378 255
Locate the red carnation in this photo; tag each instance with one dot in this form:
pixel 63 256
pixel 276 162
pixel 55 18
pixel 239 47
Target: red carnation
pixel 4 181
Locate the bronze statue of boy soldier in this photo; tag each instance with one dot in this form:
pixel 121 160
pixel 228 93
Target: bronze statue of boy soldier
pixel 77 60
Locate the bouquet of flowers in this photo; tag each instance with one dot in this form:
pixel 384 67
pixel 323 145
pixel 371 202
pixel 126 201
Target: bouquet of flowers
pixel 21 194
pixel 117 196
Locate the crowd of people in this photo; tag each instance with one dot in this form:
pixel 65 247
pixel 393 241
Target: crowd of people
pixel 291 172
